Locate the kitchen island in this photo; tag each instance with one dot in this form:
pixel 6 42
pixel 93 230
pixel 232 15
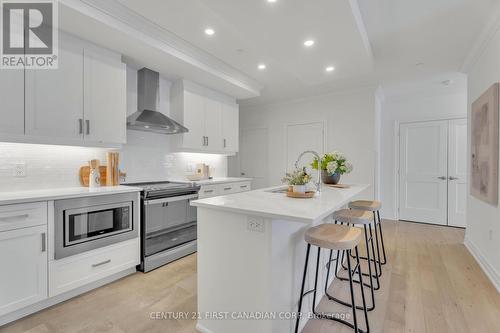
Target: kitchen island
pixel 251 253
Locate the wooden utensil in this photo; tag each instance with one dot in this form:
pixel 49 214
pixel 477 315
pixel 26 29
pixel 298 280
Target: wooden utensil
pixel 84 173
pixel 112 174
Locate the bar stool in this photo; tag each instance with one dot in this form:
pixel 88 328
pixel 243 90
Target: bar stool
pixel 340 238
pixel 357 217
pixel 374 207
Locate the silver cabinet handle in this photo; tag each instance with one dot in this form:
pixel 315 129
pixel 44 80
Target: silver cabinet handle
pixel 207 140
pixel 227 188
pixel 453 178
pixel 44 244
pixel 80 126
pixel 242 173
pixel 442 178
pixel 224 143
pixel 102 263
pixel 87 123
pixel 14 217
pixel 243 186
pixel 208 191
pixel 204 141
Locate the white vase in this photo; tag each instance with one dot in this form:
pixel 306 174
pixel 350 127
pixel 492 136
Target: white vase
pixel 299 188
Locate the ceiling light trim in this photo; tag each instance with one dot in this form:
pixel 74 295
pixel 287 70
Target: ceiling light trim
pixel 118 16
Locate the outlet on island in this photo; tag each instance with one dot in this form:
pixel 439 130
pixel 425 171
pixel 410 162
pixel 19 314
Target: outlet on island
pixel 255 224
pixel 20 170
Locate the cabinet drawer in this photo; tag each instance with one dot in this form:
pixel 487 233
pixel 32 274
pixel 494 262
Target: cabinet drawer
pixel 243 186
pixel 23 215
pixel 227 188
pixel 76 271
pixel 207 191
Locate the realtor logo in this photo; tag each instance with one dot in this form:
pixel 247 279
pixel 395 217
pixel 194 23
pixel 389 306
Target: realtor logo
pixel 29 34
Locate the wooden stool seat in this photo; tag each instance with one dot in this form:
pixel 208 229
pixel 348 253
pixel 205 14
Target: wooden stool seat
pixel 353 216
pixel 368 205
pixel 333 236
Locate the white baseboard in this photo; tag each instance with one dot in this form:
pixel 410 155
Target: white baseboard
pixel 13 316
pixel 202 329
pixel 489 270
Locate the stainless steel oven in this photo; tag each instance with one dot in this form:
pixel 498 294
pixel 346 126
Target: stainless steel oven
pixel 89 223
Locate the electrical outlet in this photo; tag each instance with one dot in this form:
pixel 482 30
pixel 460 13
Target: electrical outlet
pixel 20 170
pixel 255 224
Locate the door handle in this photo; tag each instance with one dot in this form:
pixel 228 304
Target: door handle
pixel 453 178
pixel 87 123
pixel 442 178
pixel 80 126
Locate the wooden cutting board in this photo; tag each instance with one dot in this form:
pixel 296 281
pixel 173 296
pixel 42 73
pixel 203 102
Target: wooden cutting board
pixel 306 195
pixel 339 185
pixel 85 175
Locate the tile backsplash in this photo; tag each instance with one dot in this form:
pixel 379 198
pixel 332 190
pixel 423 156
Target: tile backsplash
pixel 50 166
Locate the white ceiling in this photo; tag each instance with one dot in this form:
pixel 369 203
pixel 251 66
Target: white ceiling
pixel 437 33
pixel 369 42
pixel 251 32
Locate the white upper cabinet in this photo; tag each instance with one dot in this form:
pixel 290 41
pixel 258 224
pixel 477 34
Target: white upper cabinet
pixel 12 102
pixel 213 125
pixel 105 97
pixel 212 121
pixel 82 102
pixel 230 127
pixel 194 120
pixel 54 98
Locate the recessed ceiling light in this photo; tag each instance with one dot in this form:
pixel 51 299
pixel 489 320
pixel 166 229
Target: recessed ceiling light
pixel 271 1
pixel 330 69
pixel 209 31
pixel 261 67
pixel 309 43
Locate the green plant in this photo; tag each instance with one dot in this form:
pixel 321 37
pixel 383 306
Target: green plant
pixel 297 177
pixel 334 162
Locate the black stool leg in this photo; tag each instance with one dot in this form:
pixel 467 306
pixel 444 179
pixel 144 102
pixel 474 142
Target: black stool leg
pixel 360 275
pixel 376 240
pixel 381 237
pixel 353 301
pixel 302 288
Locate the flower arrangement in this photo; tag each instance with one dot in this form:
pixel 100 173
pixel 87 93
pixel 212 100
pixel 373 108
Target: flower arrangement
pixel 297 177
pixel 333 163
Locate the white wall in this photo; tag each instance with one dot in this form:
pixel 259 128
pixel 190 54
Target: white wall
pixel 411 107
pixel 145 157
pixel 483 220
pixel 350 128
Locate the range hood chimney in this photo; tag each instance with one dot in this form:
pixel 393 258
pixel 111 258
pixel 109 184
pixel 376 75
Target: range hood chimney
pixel 148 118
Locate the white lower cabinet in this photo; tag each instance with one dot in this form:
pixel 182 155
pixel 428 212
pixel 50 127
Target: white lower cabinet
pixel 76 271
pixel 23 256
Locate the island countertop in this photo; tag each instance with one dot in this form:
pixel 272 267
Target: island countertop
pixel 271 204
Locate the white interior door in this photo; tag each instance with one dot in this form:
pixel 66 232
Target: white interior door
pixel 423 172
pixel 302 137
pixel 457 172
pixel 253 156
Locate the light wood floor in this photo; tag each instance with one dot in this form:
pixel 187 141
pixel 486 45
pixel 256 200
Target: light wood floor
pixel 431 284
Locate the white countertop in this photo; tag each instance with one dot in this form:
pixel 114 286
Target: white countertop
pixel 217 180
pixel 14 197
pixel 264 203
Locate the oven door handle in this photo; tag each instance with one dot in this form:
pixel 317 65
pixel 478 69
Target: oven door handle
pixel 170 199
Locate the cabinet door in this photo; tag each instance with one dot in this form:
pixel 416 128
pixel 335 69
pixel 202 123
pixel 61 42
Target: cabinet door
pixel 12 101
pixel 105 90
pixel 194 120
pixel 23 256
pixel 213 126
pixel 230 127
pixel 54 98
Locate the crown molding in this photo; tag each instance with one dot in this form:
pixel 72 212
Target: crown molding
pixel 485 37
pixel 125 20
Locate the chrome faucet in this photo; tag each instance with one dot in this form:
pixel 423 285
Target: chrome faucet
pixel 318 184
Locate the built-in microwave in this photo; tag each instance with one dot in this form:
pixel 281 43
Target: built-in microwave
pixel 89 223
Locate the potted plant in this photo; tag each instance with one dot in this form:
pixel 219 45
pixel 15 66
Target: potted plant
pixel 297 180
pixel 333 165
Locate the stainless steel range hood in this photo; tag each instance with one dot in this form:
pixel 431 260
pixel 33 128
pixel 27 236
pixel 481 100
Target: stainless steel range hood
pixel 148 118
